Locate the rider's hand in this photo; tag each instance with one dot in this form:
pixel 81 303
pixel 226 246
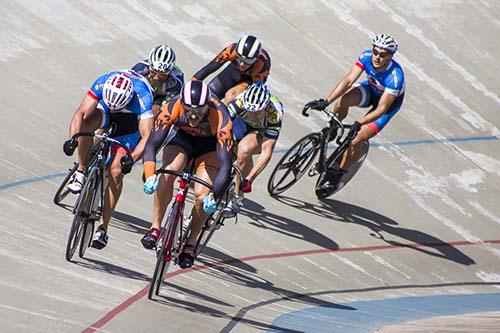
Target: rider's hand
pixel 209 204
pixel 318 104
pixel 354 130
pixel 69 146
pixel 246 186
pixel 151 184
pixel 126 163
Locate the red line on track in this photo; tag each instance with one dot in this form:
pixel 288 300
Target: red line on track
pixel 123 306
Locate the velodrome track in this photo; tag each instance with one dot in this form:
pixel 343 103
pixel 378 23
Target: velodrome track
pixel 412 244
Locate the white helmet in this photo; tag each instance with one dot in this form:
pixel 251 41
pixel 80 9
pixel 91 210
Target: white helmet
pixel 256 97
pixel 386 42
pixel 248 47
pixel 162 59
pixel 117 91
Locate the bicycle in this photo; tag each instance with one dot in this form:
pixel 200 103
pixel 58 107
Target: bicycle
pixel 297 160
pixel 89 203
pixel 63 191
pixel 175 232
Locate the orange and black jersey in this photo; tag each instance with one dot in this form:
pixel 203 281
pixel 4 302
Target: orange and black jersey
pixel 259 71
pixel 216 124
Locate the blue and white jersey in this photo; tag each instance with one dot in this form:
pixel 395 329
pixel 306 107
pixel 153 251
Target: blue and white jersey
pixel 141 103
pixel 391 80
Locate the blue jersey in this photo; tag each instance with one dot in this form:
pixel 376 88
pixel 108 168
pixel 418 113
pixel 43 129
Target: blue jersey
pixel 391 80
pixel 141 103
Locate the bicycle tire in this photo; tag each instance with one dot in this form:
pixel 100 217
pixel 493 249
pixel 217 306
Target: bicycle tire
pixel 333 162
pixel 88 231
pixel 296 160
pixel 63 191
pixel 81 213
pixel 162 265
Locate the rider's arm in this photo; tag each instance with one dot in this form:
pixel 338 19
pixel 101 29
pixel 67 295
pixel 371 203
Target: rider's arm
pixel 345 83
pixel 384 104
pixel 264 158
pixel 160 131
pixel 228 54
pixel 88 105
pixel 145 127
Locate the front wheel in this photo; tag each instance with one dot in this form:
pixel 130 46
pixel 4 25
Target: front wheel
pixel 292 166
pixel 164 249
pixel 81 213
pixel 63 191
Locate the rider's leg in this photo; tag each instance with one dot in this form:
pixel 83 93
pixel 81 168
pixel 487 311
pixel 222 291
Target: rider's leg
pixel 174 158
pixel 352 153
pixel 207 168
pixel 248 146
pixel 353 97
pixel 113 190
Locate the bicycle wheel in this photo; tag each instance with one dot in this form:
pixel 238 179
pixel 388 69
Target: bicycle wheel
pixel 294 163
pixel 81 214
pixel 62 192
pixel 214 221
pixel 88 231
pixel 164 251
pixel 333 163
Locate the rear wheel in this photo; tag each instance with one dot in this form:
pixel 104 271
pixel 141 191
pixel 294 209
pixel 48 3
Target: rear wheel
pixel 62 192
pixel 292 166
pixel 333 164
pixel 81 213
pixel 166 243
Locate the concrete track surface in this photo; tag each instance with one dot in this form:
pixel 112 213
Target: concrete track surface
pixel 410 245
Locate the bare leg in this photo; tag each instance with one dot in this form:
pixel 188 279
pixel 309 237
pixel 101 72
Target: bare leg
pixel 113 190
pixel 247 147
pixel 174 158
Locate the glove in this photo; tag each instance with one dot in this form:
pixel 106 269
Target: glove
pixel 353 131
pixel 246 186
pixel 126 163
pixel 69 146
pixel 151 184
pixel 319 104
pixel 209 204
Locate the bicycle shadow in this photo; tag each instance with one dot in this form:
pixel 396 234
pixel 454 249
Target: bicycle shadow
pixel 109 268
pixel 129 223
pixel 264 219
pixel 239 277
pixel 380 225
pixel 211 255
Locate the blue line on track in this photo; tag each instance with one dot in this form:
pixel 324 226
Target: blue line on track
pixel 282 151
pixel 368 316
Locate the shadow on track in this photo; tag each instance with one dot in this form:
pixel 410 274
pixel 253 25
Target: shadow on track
pixel 264 219
pixel 381 227
pixel 106 267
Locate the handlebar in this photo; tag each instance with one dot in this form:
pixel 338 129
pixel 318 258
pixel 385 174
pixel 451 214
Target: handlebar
pixel 186 176
pixel 356 126
pixel 104 137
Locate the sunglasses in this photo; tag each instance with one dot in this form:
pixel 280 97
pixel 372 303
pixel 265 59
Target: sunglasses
pixel 246 61
pixel 381 54
pixel 197 111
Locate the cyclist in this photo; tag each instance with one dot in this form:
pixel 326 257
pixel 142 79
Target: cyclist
pixel 383 91
pixel 248 62
pixel 125 100
pixel 202 132
pixel 163 74
pixel 257 118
